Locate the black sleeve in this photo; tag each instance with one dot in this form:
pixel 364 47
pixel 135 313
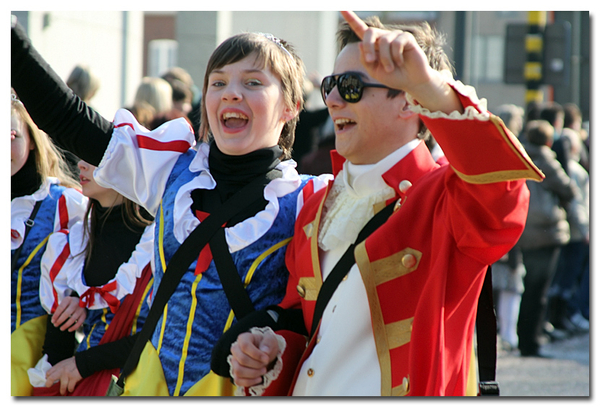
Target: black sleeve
pixel 288 319
pixel 110 355
pixel 54 108
pixel 58 345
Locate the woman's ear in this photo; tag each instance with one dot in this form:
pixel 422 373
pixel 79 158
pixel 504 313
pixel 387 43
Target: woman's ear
pixel 290 113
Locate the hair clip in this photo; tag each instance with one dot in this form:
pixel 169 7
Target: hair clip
pixel 276 41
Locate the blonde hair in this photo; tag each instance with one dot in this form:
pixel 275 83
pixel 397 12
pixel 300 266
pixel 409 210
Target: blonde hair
pixel 50 161
pixel 274 53
pixel 157 92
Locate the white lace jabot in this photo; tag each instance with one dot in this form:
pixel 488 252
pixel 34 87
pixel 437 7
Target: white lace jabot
pixel 355 190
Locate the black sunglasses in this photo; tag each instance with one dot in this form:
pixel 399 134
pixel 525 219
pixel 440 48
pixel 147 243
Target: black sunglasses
pixel 350 86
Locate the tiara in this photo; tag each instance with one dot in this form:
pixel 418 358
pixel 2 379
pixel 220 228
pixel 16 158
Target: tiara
pixel 276 41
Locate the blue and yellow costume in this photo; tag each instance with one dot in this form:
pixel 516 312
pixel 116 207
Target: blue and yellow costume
pixel 61 207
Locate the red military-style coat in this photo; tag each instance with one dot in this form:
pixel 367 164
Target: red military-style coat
pixel 424 268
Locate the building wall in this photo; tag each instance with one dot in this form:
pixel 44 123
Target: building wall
pixel 157 25
pixel 109 42
pixel 114 44
pixel 312 33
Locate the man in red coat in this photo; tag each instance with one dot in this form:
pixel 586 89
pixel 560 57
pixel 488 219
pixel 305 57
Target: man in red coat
pixel 402 320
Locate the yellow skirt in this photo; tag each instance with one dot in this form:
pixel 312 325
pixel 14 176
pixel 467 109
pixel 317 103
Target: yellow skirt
pixel 148 379
pixel 26 344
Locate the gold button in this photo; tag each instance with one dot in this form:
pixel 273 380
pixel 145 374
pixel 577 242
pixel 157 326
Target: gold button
pixel 409 260
pixel 405 384
pixel 345 277
pixel 310 372
pixel 404 185
pixel 301 291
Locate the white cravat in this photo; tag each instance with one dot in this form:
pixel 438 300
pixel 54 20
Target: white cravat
pixel 355 190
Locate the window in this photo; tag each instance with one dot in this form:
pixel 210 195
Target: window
pixel 162 55
pixel 488 58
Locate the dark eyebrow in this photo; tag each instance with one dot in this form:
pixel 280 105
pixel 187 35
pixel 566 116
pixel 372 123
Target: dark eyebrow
pixel 254 70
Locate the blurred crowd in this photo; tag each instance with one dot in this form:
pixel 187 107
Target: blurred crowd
pixel 542 285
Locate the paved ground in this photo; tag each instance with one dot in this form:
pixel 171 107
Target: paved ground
pixel 565 373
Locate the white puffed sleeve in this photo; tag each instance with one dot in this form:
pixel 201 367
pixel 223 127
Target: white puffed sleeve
pixel 70 209
pixel 137 162
pixel 64 256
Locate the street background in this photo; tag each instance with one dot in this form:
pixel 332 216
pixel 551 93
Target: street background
pixel 565 373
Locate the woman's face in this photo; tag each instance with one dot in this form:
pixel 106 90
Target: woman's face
pixel 105 196
pixel 245 107
pixel 20 143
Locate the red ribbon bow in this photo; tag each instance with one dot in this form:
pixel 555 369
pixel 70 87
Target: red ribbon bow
pixel 88 298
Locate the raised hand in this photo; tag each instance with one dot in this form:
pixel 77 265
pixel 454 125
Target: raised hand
pixel 395 59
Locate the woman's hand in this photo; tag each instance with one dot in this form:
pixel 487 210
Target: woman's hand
pixel 66 373
pixel 69 315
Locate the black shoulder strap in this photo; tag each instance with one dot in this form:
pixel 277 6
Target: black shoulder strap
pixel 486 339
pixel 238 297
pixel 183 257
pixel 344 264
pixel 28 225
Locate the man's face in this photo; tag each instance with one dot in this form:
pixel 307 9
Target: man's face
pixel 367 131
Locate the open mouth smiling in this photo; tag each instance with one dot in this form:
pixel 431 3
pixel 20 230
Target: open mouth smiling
pixel 234 120
pixel 342 124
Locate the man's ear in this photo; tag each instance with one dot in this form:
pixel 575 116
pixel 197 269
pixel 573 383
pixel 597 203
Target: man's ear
pixel 405 111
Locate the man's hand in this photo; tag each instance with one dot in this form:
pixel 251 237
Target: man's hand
pixel 66 373
pixel 252 355
pixel 69 315
pixel 395 59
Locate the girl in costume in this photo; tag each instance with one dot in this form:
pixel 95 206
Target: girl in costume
pixel 251 98
pixel 44 199
pixel 102 264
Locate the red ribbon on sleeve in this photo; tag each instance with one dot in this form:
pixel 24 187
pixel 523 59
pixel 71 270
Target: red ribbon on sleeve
pixel 88 298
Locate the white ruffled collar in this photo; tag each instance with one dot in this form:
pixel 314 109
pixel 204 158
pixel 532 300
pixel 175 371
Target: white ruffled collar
pixel 355 191
pixel 246 232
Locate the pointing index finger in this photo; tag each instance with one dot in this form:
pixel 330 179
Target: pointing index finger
pixel 357 25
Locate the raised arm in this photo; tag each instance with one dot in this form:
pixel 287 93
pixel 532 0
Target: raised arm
pixel 55 109
pixel 395 59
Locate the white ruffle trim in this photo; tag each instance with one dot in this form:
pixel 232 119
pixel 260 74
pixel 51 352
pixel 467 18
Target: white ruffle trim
pixel 344 214
pixel 246 232
pixel 271 375
pixel 479 111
